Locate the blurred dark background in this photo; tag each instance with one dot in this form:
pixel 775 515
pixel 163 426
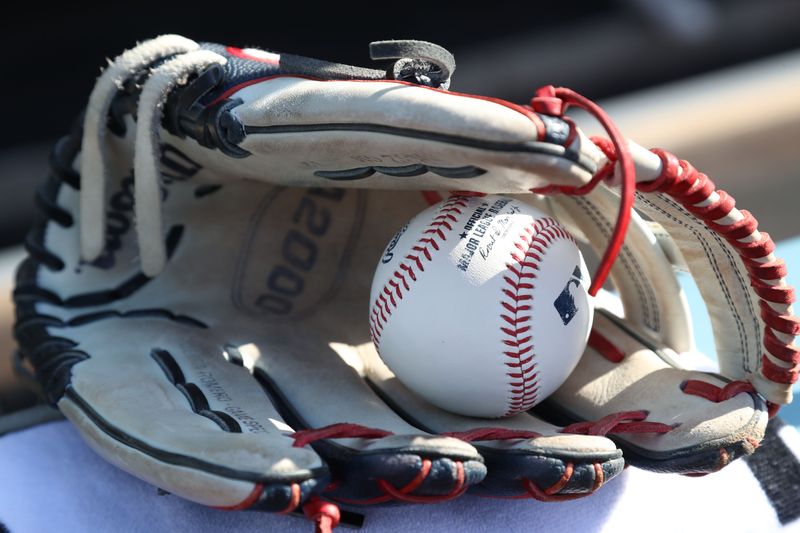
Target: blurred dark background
pixel 716 80
pixel 601 48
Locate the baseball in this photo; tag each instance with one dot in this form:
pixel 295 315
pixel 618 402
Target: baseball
pixel 480 305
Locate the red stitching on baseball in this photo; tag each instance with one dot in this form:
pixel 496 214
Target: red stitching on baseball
pixel 381 308
pixel 515 321
pixel 409 270
pixel 402 278
pixel 532 242
pixel 536 237
pixel 520 362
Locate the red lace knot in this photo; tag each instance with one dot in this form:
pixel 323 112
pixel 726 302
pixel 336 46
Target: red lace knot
pixel 607 147
pixel 555 101
pixel 623 422
pixel 337 431
pixel 607 171
pixel 326 515
pixel 546 102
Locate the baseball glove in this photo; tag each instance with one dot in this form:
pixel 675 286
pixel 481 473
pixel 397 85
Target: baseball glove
pixel 196 294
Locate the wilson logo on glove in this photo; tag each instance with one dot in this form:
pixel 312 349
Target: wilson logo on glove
pixel 175 166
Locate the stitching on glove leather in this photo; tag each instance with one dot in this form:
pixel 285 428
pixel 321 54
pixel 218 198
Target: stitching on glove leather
pixel 690 187
pixel 629 261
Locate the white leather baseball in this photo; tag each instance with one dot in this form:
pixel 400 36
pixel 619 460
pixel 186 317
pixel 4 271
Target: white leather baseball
pixel 480 305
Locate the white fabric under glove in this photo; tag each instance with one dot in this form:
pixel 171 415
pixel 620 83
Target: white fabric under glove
pixel 52 481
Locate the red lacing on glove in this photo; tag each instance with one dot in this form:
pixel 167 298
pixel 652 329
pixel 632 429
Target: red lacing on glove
pixel 615 423
pixel 344 430
pixel 716 394
pixel 605 347
pixel 326 515
pixel 490 433
pixel 294 501
pixel 548 494
pixel 689 187
pixel 403 494
pixel 626 422
pixel 255 494
pixel 623 422
pixel 706 390
pixel 555 101
pixel 713 393
pixel 337 431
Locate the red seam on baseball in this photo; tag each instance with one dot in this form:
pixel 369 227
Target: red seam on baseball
pixel 538 236
pixel 381 308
